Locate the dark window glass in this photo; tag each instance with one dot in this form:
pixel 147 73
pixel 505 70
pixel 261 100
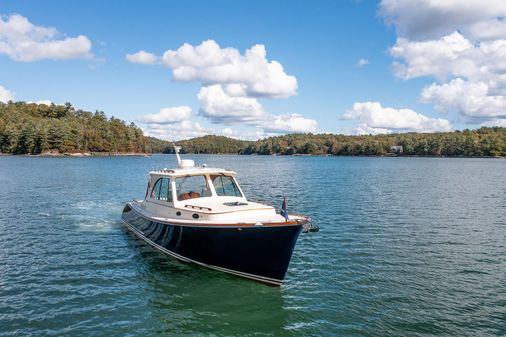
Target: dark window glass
pixel 162 190
pixel 225 186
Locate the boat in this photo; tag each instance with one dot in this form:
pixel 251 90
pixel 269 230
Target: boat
pixel 200 215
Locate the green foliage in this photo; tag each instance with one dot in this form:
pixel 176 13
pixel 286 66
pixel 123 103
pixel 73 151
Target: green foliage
pixel 474 143
pixel 35 128
pixel 211 144
pixel 482 142
pixel 159 145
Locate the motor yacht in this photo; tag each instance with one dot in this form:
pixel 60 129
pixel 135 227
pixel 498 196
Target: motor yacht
pixel 200 215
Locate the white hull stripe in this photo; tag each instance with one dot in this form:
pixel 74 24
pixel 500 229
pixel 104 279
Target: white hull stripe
pixel 182 258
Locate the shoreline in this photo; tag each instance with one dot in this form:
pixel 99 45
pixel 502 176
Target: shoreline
pixel 83 154
pixel 141 154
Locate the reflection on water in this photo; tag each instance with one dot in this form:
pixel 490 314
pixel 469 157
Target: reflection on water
pixel 407 246
pixel 244 307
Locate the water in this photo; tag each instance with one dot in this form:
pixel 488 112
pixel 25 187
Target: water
pixel 407 247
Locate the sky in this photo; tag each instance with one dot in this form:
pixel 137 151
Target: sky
pixel 252 69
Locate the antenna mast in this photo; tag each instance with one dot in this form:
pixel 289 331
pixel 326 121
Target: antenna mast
pixel 177 149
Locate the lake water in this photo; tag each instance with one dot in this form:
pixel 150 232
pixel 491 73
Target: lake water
pixel 407 247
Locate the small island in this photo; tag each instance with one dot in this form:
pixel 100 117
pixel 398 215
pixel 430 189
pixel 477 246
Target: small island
pixel 54 130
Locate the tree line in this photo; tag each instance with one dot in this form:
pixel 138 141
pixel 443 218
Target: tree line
pixel 29 128
pixel 485 141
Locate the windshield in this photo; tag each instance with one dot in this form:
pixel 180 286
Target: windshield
pixel 225 186
pixel 192 187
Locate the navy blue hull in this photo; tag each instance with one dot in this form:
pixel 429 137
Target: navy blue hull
pixel 262 253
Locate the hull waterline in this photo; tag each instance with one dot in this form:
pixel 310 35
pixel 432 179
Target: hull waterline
pixel 261 253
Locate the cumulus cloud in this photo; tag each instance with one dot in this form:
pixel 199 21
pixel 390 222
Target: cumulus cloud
pixel 451 56
pixel 5 95
pixel 249 74
pixel 220 107
pixel 290 123
pixel 168 115
pixel 477 73
pixel 438 58
pixel 142 57
pixel 176 131
pixel 172 123
pixel 429 19
pixel 23 41
pixel 473 99
pixel 243 135
pixel 364 129
pixel 461 44
pixel 232 84
pixel 373 118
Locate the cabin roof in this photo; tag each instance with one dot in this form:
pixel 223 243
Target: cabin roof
pixel 197 170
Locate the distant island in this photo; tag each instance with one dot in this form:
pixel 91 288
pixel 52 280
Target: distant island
pixel 29 128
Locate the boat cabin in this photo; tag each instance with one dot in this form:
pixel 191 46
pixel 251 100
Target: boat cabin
pixel 179 186
pixel 200 193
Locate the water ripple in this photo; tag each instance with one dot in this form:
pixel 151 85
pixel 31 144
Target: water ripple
pixel 408 246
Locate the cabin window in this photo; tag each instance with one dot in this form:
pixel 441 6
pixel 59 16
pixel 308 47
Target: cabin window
pixel 225 186
pixel 191 187
pixel 162 190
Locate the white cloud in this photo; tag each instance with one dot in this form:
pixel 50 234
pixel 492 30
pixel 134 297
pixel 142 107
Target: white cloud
pixel 219 107
pixel 472 99
pixel 5 95
pixel 462 44
pixel 429 19
pixel 437 58
pixel 374 119
pixel 289 123
pixel 142 57
pixel 243 135
pixel 249 75
pixel 362 62
pixel 232 83
pixel 364 129
pixel 168 115
pixel 450 56
pixel 176 131
pixel 477 70
pixel 23 41
pixel 172 123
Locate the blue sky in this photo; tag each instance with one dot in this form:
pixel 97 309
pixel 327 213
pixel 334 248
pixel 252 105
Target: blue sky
pixel 319 44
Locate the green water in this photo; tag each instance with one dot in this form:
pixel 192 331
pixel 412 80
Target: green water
pixel 407 247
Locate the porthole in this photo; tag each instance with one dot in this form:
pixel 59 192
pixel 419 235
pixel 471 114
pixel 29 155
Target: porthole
pixel 178 213
pixel 195 216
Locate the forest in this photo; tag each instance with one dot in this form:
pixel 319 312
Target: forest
pixel 483 142
pixel 29 128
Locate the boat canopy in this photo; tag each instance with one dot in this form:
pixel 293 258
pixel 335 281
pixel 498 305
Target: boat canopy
pixel 199 170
